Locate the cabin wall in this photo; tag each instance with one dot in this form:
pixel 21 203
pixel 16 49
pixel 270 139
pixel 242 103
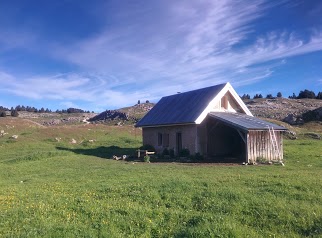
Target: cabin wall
pixel 260 148
pixel 188 135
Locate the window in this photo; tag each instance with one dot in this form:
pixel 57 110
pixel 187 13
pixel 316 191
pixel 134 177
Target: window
pixel 159 139
pixel 163 139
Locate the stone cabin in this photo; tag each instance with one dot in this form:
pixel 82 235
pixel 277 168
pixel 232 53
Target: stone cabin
pixel 214 122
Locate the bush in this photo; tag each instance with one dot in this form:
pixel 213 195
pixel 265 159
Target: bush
pixel 14 113
pixel 165 152
pixel 146 158
pixel 198 156
pixel 3 114
pixel 184 153
pixel 171 153
pixel 261 160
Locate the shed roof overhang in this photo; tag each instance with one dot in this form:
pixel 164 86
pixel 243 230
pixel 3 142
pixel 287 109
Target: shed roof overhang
pixel 244 122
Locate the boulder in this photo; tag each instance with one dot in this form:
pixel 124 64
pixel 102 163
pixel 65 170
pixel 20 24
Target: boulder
pixel 313 115
pixel 14 137
pixel 293 120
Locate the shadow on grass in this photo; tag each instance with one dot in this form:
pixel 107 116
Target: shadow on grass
pixel 102 151
pixel 108 152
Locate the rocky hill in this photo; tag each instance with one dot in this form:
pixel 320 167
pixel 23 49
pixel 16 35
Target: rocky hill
pixel 292 111
pixel 129 114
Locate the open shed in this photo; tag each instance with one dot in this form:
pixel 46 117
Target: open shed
pixel 242 137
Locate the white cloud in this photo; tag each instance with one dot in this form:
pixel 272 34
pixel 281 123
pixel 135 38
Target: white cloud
pixel 180 46
pixel 203 41
pixel 71 89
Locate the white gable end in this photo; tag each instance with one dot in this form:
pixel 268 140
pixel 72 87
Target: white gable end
pixel 226 100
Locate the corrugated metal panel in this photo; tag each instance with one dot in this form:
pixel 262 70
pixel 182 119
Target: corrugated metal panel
pixel 244 121
pixel 180 108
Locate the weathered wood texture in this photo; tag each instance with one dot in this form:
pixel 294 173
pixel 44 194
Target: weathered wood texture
pixel 260 147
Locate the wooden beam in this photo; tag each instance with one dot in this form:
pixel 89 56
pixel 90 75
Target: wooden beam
pixel 214 126
pixel 241 135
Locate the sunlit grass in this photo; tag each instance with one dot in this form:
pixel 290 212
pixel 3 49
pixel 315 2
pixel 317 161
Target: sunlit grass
pixel 58 189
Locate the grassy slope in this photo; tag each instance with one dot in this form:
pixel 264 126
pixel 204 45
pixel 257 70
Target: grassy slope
pixel 55 189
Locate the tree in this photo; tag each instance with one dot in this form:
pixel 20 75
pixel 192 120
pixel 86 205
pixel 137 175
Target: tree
pixel 269 96
pixel 279 95
pixel 258 96
pixel 245 96
pixel 319 96
pixel 293 96
pixel 306 94
pixel 139 101
pixel 18 108
pixel 147 101
pixel 14 113
pixel 3 114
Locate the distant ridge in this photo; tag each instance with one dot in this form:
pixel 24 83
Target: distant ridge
pixel 132 114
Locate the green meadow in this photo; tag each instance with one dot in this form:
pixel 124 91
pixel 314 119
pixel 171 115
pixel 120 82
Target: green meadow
pixel 52 188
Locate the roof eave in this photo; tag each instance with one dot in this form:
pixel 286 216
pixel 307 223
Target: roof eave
pixel 164 125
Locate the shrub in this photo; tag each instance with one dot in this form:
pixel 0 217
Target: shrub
pixel 165 152
pixel 261 160
pixel 3 114
pixel 184 153
pixel 171 153
pixel 198 156
pixel 14 113
pixel 146 158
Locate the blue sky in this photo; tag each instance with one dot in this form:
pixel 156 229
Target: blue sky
pixel 99 55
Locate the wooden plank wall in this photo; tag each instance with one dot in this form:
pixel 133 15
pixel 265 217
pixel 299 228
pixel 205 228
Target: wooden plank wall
pixel 260 148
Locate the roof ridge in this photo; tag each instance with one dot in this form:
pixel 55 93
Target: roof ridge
pixel 195 90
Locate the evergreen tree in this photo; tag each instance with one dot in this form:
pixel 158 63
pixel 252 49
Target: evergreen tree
pixel 306 94
pixel 14 113
pixel 279 95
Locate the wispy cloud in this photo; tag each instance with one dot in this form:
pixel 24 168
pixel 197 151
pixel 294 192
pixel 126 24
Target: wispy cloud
pixel 203 41
pixel 69 89
pixel 158 50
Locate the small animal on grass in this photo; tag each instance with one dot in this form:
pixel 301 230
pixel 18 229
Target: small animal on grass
pixel 116 158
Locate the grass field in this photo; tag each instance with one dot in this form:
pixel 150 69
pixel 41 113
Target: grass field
pixel 58 189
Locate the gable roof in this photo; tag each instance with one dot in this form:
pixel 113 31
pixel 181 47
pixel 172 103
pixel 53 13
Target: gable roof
pixel 244 122
pixel 189 107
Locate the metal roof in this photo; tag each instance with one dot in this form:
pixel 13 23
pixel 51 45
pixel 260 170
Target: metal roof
pixel 244 121
pixel 181 108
